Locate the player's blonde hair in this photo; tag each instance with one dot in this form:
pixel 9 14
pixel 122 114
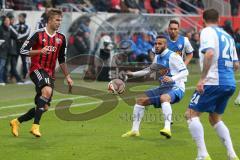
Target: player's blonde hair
pixel 52 12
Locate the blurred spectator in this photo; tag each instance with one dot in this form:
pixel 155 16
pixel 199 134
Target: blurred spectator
pixel 79 40
pixel 237 40
pixel 145 47
pixel 140 4
pixel 116 6
pixel 124 6
pixel 105 48
pixel 9 4
pixel 101 5
pixel 152 37
pixel 228 27
pixel 23 30
pixel 195 42
pixel 186 7
pixel 43 21
pixel 197 3
pixel 132 6
pixel 160 5
pixel 188 34
pixel 121 59
pixel 234 7
pixel 86 5
pixel 56 3
pixel 105 54
pixel 130 49
pixel 5 35
pixel 12 56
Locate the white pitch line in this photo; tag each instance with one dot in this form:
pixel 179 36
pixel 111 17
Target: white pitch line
pixel 31 104
pixel 52 109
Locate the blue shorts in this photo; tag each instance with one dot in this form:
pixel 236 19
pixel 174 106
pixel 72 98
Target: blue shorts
pixel 154 94
pixel 213 100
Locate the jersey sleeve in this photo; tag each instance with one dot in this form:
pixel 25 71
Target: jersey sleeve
pixel 28 44
pixel 62 52
pixel 176 61
pixel 155 59
pixel 188 49
pixel 207 40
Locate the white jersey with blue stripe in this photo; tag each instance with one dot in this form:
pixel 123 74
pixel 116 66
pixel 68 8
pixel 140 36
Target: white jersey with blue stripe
pixel 221 71
pixel 181 46
pixel 174 63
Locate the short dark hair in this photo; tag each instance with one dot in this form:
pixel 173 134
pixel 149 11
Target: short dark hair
pixel 211 15
pixel 161 36
pixel 52 12
pixel 10 15
pixel 173 21
pixel 24 15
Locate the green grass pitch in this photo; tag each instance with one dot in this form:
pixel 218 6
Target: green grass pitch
pixel 100 138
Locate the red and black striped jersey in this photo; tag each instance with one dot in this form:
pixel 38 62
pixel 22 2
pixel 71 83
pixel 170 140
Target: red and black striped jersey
pixel 56 44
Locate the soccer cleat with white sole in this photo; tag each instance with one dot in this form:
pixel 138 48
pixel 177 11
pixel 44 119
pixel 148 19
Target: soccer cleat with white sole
pixel 131 134
pixel 166 132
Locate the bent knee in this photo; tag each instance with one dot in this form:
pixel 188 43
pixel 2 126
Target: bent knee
pixel 214 119
pixel 165 98
pixel 190 113
pixel 143 101
pixel 187 115
pixel 47 92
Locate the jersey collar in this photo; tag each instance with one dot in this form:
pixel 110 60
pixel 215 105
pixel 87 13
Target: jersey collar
pixel 49 33
pixel 164 52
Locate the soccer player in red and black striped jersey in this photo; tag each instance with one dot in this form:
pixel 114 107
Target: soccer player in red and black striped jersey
pixel 45 47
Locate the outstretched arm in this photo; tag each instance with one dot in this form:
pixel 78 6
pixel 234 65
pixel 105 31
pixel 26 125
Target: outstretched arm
pixel 140 73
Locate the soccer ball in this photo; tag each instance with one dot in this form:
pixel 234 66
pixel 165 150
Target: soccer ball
pixel 116 86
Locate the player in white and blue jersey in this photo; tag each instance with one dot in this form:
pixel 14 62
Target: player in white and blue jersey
pixel 178 43
pixel 218 60
pixel 171 89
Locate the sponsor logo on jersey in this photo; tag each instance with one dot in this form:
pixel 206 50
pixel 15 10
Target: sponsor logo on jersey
pixel 179 46
pixel 51 48
pixel 58 40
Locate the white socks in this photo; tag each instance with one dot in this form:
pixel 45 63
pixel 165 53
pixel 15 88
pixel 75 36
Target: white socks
pixel 167 112
pixel 224 135
pixel 138 113
pixel 196 130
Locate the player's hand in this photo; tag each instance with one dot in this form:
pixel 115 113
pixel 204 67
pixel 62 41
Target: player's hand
pixel 200 86
pixel 44 50
pixel 129 73
pixel 167 79
pixel 70 83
